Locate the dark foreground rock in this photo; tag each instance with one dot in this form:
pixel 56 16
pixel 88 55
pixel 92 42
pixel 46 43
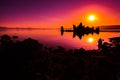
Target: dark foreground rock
pixel 30 60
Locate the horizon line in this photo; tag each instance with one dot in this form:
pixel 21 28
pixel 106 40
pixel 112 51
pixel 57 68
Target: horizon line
pixel 51 27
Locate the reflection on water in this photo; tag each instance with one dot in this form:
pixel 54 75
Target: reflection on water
pixel 90 40
pixel 53 38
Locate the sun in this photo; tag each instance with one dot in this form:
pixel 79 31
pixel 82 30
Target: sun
pixel 92 17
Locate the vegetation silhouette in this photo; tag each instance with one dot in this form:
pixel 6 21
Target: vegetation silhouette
pixel 30 60
pixel 100 43
pixel 81 30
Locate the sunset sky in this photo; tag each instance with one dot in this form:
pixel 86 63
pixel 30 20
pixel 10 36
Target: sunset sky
pixel 56 13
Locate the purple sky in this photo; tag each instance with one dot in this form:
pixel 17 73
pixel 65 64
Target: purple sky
pixel 37 12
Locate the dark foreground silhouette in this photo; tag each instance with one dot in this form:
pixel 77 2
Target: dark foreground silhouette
pixel 30 60
pixel 81 30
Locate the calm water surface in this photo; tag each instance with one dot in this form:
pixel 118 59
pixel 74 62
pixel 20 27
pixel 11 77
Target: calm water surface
pixel 53 38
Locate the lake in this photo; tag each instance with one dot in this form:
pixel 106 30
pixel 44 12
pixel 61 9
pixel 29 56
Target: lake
pixel 53 38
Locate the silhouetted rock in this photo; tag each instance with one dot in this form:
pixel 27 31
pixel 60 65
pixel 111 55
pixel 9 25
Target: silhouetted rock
pixel 15 37
pixel 81 30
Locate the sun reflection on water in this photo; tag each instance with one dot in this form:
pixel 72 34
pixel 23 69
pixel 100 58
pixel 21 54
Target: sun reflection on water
pixel 90 40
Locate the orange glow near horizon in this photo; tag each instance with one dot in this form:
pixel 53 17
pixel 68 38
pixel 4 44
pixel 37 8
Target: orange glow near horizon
pixel 101 16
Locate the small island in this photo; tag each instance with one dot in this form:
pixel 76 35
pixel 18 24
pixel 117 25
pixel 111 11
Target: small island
pixel 81 30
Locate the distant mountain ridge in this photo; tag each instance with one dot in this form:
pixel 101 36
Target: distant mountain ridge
pixel 3 27
pixel 27 28
pixel 110 27
pixel 101 27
